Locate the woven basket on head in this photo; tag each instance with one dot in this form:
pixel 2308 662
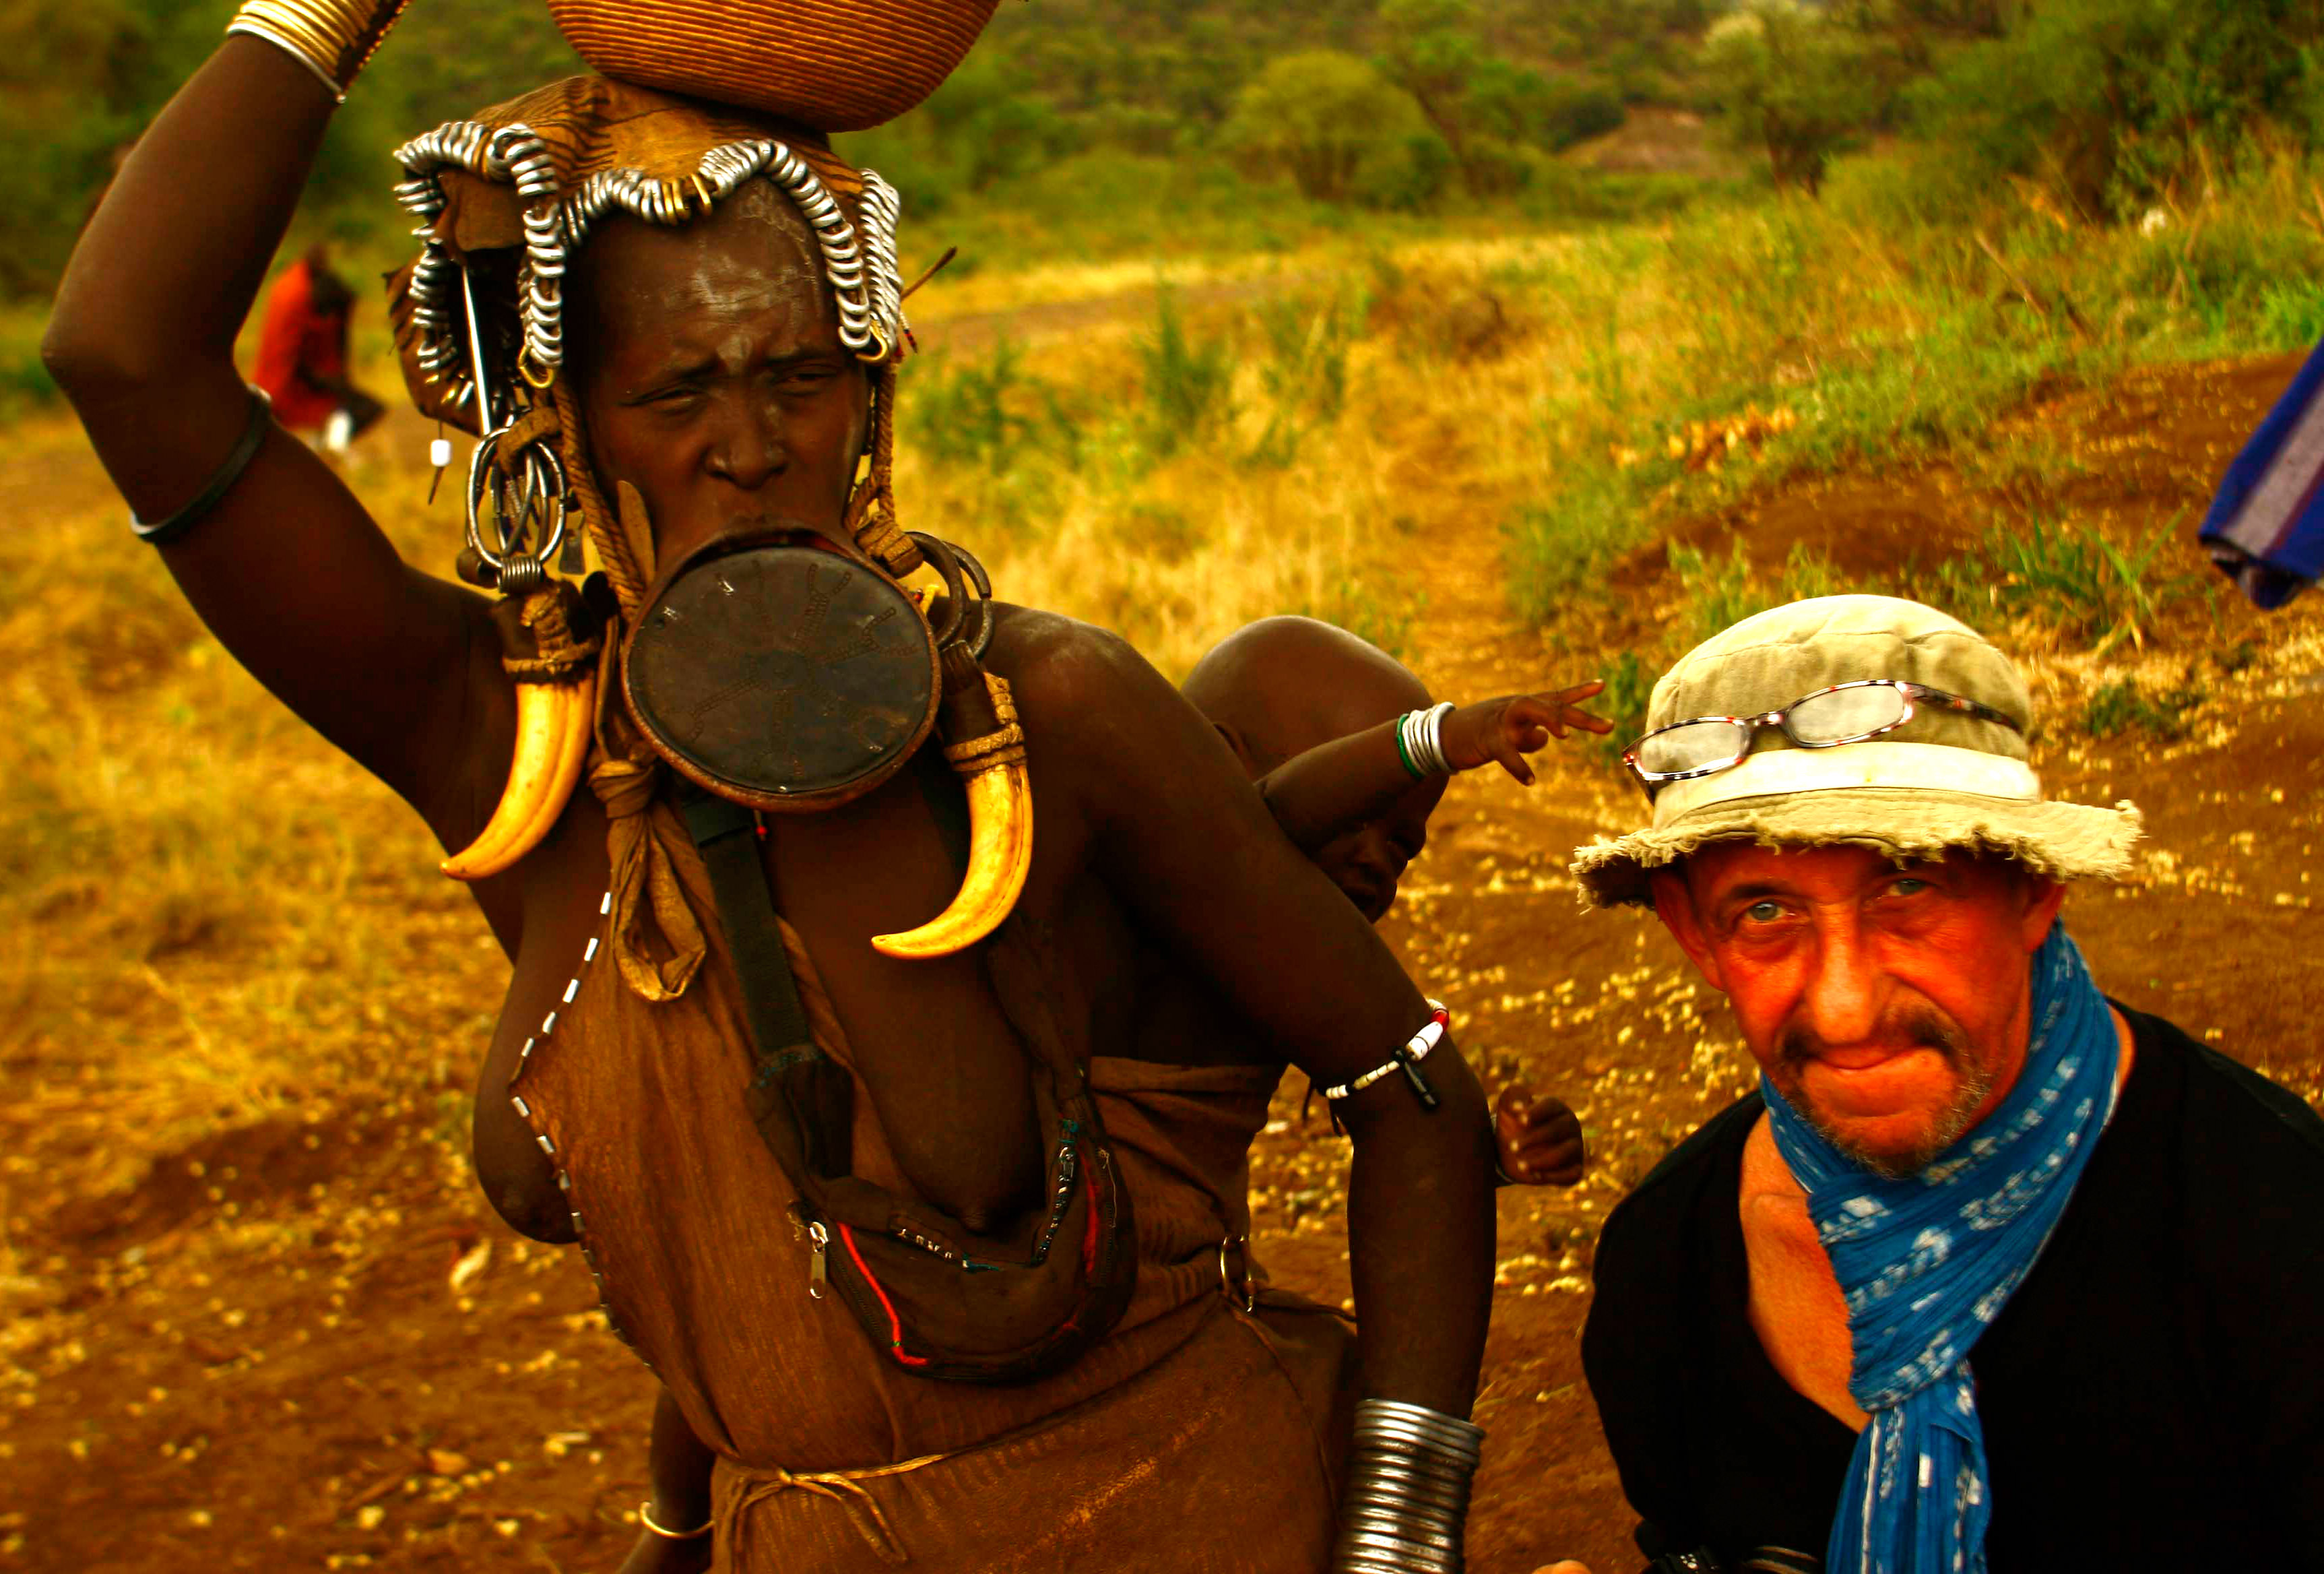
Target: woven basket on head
pixel 836 65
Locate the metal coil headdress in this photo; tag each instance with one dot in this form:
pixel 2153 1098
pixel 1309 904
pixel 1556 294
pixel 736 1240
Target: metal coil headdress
pixel 505 202
pixel 859 261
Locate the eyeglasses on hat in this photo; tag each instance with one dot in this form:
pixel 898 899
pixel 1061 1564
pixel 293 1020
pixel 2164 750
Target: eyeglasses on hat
pixel 1845 712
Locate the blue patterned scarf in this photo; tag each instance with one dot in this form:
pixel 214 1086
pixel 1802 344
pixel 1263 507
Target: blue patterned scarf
pixel 1926 1263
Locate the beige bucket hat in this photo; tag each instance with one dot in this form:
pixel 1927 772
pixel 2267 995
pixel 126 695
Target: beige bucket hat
pixel 1943 780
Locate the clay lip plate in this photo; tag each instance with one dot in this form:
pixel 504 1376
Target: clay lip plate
pixel 783 673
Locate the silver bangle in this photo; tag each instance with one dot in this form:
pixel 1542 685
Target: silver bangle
pixel 1420 738
pixel 259 29
pixel 1404 1509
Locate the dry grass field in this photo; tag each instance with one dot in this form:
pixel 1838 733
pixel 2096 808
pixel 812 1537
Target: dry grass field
pixel 252 1312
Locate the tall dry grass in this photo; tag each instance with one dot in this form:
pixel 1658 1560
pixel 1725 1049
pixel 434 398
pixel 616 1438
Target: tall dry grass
pixel 207 916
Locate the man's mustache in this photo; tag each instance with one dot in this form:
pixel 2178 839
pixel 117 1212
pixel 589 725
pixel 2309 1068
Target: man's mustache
pixel 1918 1026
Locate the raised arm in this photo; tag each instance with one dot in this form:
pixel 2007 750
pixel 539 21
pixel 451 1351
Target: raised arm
pixel 1351 782
pixel 398 669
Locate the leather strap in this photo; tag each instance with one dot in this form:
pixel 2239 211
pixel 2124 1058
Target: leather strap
pixel 794 1077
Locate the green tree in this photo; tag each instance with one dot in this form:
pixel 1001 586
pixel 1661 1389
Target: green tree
pixel 1486 107
pixel 1322 116
pixel 1794 82
pixel 2111 102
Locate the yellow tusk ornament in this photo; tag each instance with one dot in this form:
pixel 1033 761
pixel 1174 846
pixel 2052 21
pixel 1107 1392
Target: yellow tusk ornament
pixel 553 725
pixel 999 841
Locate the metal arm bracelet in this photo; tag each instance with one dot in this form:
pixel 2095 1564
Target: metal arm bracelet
pixel 160 532
pixel 331 38
pixel 1405 1506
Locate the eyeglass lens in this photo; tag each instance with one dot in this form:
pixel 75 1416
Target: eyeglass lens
pixel 1822 719
pixel 1845 712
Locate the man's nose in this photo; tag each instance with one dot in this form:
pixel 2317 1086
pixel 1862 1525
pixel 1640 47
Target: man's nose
pixel 1843 987
pixel 750 447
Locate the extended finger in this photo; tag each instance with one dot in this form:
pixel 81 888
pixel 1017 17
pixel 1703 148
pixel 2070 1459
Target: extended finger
pixel 1514 762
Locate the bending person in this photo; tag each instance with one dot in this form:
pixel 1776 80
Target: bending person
pixel 810 1239
pixel 303 355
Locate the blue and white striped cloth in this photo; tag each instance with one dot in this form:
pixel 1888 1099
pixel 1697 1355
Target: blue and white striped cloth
pixel 1927 1263
pixel 2266 526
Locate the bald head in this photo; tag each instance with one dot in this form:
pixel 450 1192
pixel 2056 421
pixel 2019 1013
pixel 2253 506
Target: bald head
pixel 1282 686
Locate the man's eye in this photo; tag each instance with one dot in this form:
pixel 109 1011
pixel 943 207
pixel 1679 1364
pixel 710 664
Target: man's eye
pixel 1764 911
pixel 1908 886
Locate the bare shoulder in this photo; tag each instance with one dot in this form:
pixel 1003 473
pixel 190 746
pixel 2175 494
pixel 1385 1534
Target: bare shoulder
pixel 1087 684
pixel 1048 656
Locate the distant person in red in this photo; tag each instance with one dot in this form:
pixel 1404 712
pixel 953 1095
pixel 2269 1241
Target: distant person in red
pixel 302 354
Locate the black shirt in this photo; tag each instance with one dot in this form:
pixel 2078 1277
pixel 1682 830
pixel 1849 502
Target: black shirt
pixel 2152 1396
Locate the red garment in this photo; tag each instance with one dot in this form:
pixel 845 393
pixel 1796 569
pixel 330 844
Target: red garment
pixel 296 343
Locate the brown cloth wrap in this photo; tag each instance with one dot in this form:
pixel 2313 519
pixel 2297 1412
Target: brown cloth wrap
pixel 1197 1426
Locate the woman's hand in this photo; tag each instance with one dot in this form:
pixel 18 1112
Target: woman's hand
pixel 1509 728
pixel 1538 1140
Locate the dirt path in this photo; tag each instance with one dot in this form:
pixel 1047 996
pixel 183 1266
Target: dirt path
pixel 287 1347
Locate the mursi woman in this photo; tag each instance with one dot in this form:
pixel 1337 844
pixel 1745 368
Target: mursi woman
pixel 935 1242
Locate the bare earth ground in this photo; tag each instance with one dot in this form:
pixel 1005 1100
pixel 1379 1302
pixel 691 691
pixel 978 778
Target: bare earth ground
pixel 286 1346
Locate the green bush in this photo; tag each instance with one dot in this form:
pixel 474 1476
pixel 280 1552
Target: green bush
pixel 1557 548
pixel 1303 372
pixel 987 413
pixel 1905 191
pixel 1794 82
pixel 1188 380
pixel 1629 688
pixel 2119 707
pixel 2070 577
pixel 1720 595
pixel 1341 129
pixel 2291 314
pixel 24 379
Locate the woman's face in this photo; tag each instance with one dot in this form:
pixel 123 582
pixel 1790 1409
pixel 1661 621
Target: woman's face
pixel 712 377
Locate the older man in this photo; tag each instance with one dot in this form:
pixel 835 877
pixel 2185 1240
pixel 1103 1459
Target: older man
pixel 1990 1272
